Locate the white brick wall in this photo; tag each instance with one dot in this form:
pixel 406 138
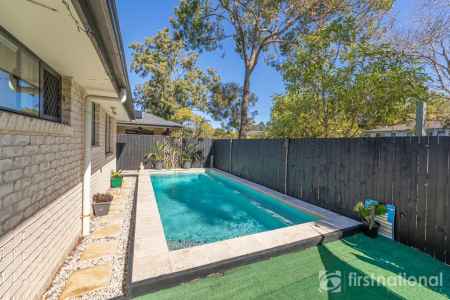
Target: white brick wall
pixel 102 163
pixel 33 251
pixel 41 168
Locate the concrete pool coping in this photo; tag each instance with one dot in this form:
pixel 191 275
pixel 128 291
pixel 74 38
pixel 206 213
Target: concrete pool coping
pixel 155 267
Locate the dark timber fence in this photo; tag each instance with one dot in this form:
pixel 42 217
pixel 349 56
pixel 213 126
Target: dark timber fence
pixel 131 149
pixel 413 173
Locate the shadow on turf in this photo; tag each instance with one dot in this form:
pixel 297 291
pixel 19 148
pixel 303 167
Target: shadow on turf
pixel 389 260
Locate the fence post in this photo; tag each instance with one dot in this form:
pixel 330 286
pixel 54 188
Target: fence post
pixel 286 151
pixel 230 156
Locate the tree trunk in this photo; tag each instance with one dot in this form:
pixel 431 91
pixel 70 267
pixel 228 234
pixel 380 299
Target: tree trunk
pixel 244 105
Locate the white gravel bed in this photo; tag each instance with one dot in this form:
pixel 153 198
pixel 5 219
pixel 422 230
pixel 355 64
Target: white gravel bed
pixel 117 286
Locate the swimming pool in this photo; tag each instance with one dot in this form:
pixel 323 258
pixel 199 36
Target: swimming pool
pixel 200 208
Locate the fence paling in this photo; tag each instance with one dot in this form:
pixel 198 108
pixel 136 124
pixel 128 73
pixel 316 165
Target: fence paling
pixel 131 149
pixel 411 172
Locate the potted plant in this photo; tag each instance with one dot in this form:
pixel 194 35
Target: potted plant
pixel 101 204
pixel 156 156
pixel 186 161
pixel 367 215
pixel 116 179
pixel 190 153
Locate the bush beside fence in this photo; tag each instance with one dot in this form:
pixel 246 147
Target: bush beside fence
pixel 412 173
pixel 132 148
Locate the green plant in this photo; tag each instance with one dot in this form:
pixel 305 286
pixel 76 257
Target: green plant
pixel 157 153
pixel 116 173
pixel 368 214
pixel 190 152
pixel 172 152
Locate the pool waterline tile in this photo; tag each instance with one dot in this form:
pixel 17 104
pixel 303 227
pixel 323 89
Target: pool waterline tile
pixel 155 261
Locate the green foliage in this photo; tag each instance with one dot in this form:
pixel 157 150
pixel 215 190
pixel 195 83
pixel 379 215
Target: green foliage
pixel 257 27
pixel 253 26
pixel 157 153
pixel 116 173
pixel 194 125
pixel 340 82
pixel 173 78
pixel 438 109
pixel 221 133
pixel 225 104
pixel 368 214
pixel 191 152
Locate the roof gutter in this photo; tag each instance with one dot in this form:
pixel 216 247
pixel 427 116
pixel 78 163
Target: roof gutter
pixel 100 18
pixel 122 97
pixel 148 124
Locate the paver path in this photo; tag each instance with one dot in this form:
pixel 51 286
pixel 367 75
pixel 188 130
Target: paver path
pixel 96 268
pixel 86 280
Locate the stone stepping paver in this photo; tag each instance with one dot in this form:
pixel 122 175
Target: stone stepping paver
pixel 97 250
pixel 86 280
pixel 109 220
pixel 106 232
pixel 96 270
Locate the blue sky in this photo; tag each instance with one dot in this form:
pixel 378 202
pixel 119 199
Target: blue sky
pixel 142 18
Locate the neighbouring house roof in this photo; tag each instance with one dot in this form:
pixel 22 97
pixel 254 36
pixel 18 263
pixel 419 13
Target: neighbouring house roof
pixel 100 18
pixel 148 119
pixel 406 127
pixel 255 132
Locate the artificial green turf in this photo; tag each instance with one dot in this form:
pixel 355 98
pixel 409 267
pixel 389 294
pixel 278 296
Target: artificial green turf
pixel 296 275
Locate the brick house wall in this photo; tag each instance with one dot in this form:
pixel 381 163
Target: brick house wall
pixel 103 163
pixel 41 174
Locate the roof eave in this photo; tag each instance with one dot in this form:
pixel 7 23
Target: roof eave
pixel 107 41
pixel 148 124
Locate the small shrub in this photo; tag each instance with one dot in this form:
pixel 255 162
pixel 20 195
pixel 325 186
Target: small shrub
pixel 116 173
pixel 102 198
pixel 368 214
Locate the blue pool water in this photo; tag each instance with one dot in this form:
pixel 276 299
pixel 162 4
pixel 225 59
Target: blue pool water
pixel 199 208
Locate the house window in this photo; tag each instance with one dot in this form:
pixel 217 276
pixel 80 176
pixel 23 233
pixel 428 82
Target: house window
pixel 94 125
pixel 108 134
pixel 27 85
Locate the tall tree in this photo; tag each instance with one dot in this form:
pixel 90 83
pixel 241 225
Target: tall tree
pixel 173 79
pixel 428 40
pixel 224 104
pixel 255 27
pixel 339 82
pixel 194 125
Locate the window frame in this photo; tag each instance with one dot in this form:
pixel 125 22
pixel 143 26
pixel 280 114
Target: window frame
pixel 42 66
pixel 94 140
pixel 108 134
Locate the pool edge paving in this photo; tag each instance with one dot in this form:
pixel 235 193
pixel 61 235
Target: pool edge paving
pixel 155 267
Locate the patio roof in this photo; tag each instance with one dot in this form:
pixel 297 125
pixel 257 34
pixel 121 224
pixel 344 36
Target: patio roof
pixel 148 119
